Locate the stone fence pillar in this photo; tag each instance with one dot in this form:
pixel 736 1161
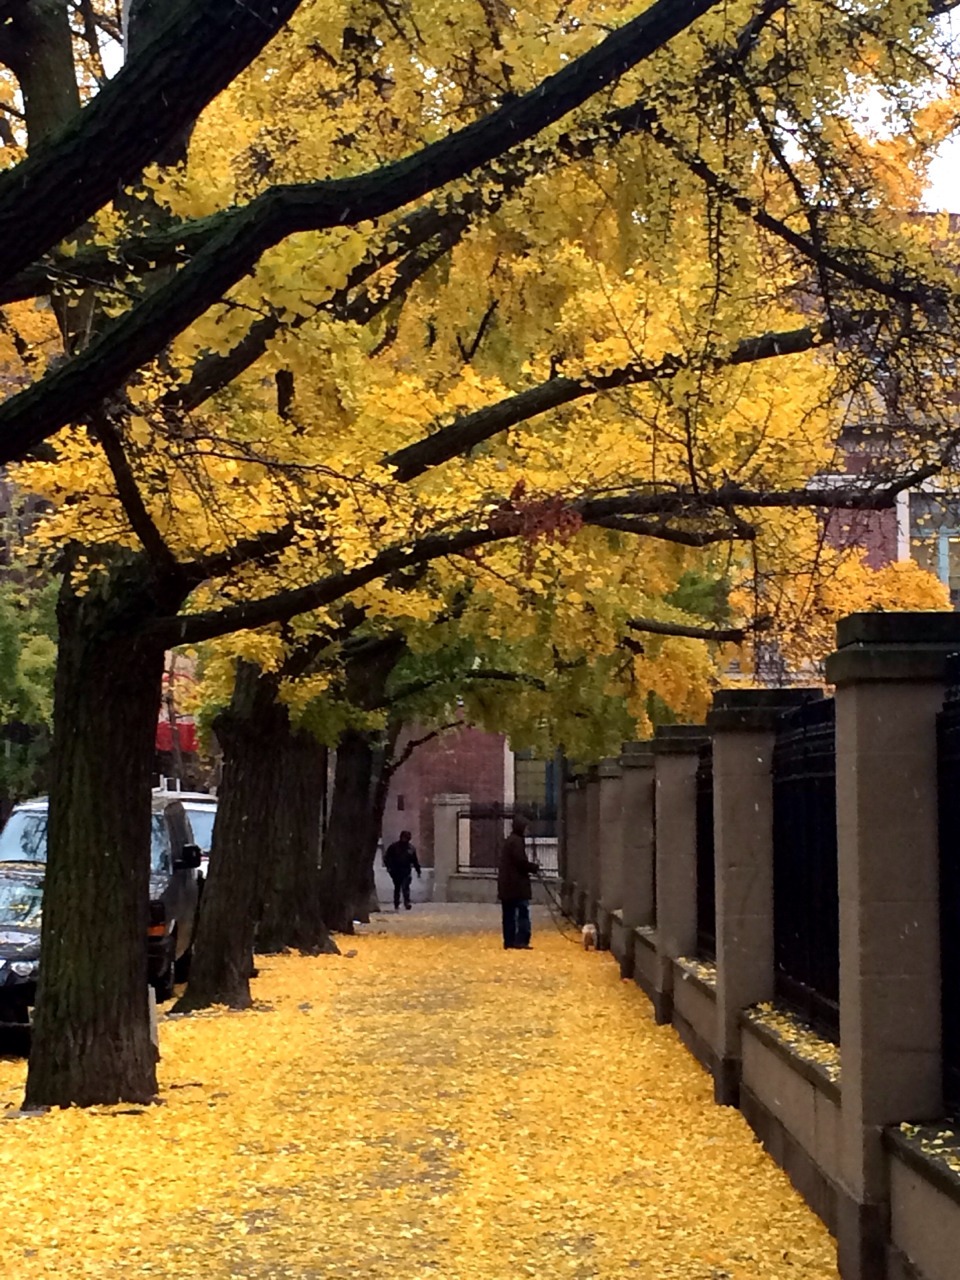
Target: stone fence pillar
pixel 742 723
pixel 889 672
pixel 445 840
pixel 637 899
pixel 610 829
pixel 675 750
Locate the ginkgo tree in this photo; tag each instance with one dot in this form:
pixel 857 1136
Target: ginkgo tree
pixel 628 306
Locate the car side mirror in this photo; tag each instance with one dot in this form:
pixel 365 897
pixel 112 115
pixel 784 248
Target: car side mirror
pixel 189 860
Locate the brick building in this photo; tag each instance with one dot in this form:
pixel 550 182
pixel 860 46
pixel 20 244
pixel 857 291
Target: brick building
pixel 464 761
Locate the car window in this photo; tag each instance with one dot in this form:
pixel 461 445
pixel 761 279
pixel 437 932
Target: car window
pixel 20 904
pixel 160 856
pixel 24 838
pixel 201 819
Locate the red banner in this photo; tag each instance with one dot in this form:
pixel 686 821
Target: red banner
pixel 186 734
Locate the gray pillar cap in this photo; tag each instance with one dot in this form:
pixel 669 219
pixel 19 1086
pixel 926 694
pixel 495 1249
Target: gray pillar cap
pixel 743 710
pixel 679 739
pixel 893 646
pixel 636 755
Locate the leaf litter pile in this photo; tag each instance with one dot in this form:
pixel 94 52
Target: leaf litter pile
pixel 428 1107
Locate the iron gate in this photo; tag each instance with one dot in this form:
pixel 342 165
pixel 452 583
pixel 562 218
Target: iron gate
pixel 482 829
pixel 806 905
pixel 706 865
pixel 948 769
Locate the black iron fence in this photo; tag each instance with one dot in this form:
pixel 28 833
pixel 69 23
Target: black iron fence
pixel 948 755
pixel 482 829
pixel 706 866
pixel 806 910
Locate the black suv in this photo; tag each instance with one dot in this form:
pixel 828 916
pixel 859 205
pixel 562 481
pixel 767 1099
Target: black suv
pixel 174 891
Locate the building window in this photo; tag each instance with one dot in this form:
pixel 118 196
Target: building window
pixel 534 782
pixel 935 538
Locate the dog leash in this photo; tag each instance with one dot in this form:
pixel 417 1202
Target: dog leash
pixel 555 907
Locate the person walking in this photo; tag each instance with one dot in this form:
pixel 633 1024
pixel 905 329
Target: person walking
pixel 514 889
pixel 400 860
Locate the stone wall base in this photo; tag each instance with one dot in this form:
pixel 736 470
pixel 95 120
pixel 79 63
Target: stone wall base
pixel 694 1041
pixel 820 1193
pixel 862 1233
pixel 726 1082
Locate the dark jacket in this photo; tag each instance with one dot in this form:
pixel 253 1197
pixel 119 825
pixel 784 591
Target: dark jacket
pixel 401 861
pixel 513 873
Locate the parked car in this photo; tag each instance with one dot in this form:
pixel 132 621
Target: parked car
pixel 201 809
pixel 21 893
pixel 174 881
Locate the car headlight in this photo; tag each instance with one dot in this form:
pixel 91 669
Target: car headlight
pixel 25 968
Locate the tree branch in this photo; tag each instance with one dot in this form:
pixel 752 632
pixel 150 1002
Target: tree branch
pixel 392 766
pixel 262 547
pixel 739 531
pixel 480 674
pixel 130 496
pixel 69 392
pixel 653 626
pixel 202 47
pixel 505 524
pixel 473 428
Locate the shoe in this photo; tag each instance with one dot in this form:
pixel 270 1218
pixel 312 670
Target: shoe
pixel 524 946
pixel 408 905
pixel 396 908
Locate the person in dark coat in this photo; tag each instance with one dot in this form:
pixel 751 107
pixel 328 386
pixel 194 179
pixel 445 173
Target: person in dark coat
pixel 401 861
pixel 514 889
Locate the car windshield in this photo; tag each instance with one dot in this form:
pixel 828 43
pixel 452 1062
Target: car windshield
pixel 159 844
pixel 24 839
pixel 20 904
pixel 201 820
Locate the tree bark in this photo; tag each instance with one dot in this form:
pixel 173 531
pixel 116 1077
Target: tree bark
pixel 347 830
pixel 91 1037
pixel 292 919
pixel 367 899
pixel 201 48
pixel 38 46
pixel 251 732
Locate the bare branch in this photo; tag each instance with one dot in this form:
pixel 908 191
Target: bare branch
pixel 392 766
pixel 130 496
pixel 653 626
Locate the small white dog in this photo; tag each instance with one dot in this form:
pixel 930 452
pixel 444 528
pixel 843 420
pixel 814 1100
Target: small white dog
pixel 589 935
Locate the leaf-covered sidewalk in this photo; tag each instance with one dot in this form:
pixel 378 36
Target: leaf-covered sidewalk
pixel 429 1107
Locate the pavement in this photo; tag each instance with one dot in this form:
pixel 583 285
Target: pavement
pixel 423 1106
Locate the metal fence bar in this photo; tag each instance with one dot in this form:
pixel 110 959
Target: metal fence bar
pixel 948 770
pixel 706 865
pixel 482 829
pixel 806 906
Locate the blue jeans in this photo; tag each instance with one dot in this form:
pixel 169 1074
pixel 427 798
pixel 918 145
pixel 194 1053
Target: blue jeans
pixel 516 923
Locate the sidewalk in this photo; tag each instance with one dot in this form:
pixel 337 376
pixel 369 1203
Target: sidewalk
pixel 431 1106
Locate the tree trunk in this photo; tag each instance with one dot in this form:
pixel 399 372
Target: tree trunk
pixel 292 919
pixel 252 733
pixel 367 900
pixel 38 45
pixel 347 830
pixel 91 1037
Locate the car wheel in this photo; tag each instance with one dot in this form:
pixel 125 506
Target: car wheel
pixel 164 984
